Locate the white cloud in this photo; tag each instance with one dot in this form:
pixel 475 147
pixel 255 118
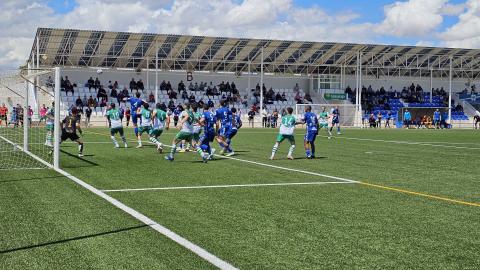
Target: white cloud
pixel 274 19
pixel 414 18
pixel 465 33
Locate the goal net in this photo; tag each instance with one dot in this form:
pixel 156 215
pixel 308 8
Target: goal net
pixel 26 139
pixel 348 115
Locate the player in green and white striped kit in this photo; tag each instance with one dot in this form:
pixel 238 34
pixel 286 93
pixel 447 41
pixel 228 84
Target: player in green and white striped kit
pixel 323 122
pixel 287 128
pixel 186 130
pixel 197 128
pixel 160 121
pixel 116 125
pixel 146 124
pixel 49 126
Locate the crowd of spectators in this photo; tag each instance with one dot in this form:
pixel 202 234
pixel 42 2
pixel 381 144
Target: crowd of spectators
pixel 372 99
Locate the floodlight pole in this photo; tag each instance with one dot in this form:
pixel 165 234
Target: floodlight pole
pixel 249 76
pixel 431 85
pixel 148 80
pixel 357 85
pixel 360 83
pixel 156 72
pixel 261 83
pixel 56 132
pixel 450 93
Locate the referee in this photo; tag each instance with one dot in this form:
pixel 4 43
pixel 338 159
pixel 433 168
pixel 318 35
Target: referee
pixel 69 130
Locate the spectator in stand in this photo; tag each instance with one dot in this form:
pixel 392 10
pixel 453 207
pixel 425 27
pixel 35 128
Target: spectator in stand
pixel 296 88
pixel 216 92
pixel 407 118
pixel 191 87
pixel 308 98
pixel 91 102
pixel 163 85
pixel 103 103
pixel 181 86
pixel 110 85
pixel 184 95
pixel 114 93
pixel 195 87
pixel 133 85
pixel 79 103
pixel 97 83
pixel 169 86
pixel 151 97
pixel 298 98
pixel 284 97
pixel 125 92
pixel 68 86
pixel 459 108
pixel 102 93
pixel 115 85
pixel 140 85
pixel 91 83
pixel 172 94
pixel 49 82
pixel 245 101
pixel 191 99
pixel 278 97
pixel 210 103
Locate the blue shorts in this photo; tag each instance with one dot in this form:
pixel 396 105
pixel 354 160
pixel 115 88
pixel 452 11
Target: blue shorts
pixel 232 133
pixel 134 118
pixel 207 137
pixel 310 135
pixel 335 120
pixel 225 131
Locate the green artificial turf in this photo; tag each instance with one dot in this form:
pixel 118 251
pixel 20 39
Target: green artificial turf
pixel 329 226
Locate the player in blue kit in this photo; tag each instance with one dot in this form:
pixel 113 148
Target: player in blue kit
pixel 210 127
pixel 135 103
pixel 236 125
pixel 335 120
pixel 311 121
pixel 224 117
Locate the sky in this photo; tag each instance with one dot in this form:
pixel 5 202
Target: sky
pixel 440 23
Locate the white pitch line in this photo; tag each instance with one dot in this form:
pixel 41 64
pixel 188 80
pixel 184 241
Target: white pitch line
pixel 204 254
pixel 289 169
pixel 224 186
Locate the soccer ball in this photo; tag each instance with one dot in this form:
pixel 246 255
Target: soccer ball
pixel 99 71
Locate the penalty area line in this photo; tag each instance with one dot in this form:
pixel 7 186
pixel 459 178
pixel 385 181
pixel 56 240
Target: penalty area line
pixel 225 186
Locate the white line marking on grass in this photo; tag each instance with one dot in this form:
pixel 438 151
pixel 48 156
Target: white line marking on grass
pixel 224 186
pixel 289 169
pixel 204 254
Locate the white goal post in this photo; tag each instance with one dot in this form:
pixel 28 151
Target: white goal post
pixel 29 126
pixel 349 116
